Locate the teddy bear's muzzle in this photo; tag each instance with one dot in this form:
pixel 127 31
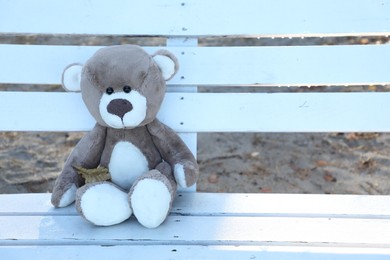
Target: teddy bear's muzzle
pixel 119 107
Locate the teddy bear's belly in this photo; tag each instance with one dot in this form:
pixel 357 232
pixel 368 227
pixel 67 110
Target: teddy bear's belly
pixel 127 163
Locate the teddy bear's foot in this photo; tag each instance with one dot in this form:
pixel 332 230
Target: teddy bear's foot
pixel 151 198
pixel 103 204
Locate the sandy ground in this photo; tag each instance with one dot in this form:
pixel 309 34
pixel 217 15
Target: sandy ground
pixel 353 163
pixel 295 163
pixel 256 162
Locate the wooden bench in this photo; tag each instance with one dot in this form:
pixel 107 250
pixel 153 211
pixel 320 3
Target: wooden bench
pixel 206 225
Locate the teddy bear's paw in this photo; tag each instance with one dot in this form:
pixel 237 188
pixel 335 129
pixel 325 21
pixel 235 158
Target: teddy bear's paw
pixel 68 197
pixel 151 201
pixel 103 204
pixel 180 175
pixel 186 173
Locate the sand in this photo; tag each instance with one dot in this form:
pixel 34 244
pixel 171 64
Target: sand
pixel 255 162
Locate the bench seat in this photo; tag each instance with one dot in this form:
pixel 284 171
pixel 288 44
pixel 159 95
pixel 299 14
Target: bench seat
pixel 206 226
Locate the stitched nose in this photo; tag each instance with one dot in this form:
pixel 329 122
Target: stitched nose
pixel 119 107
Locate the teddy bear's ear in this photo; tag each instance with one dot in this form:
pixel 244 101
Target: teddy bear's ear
pixel 71 77
pixel 167 63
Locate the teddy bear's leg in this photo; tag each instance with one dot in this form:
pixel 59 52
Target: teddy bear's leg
pixel 103 203
pixel 152 195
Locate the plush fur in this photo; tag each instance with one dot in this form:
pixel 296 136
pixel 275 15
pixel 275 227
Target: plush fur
pixel 123 88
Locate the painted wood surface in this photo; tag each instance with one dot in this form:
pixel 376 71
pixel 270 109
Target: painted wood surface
pixel 216 230
pixel 228 204
pixel 192 252
pixel 200 230
pixel 212 112
pixel 210 66
pixel 197 17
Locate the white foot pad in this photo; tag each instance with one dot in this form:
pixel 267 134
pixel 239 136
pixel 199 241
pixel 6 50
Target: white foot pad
pixel 105 205
pixel 150 201
pixel 68 197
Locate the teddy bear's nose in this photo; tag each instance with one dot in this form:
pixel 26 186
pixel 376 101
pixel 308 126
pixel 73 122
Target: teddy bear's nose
pixel 119 107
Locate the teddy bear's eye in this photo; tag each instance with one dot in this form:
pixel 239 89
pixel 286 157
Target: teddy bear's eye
pixel 109 91
pixel 127 89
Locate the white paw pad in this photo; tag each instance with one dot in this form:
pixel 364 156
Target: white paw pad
pixel 105 205
pixel 68 197
pixel 150 201
pixel 180 175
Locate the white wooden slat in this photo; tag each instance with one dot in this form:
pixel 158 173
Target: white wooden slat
pixel 212 112
pixel 199 230
pixel 225 204
pixel 196 252
pixel 283 112
pixel 197 17
pixel 39 64
pixel 44 112
pixel 31 204
pixel 314 205
pixel 269 66
pixel 287 66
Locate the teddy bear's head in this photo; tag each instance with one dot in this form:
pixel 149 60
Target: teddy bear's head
pixel 122 86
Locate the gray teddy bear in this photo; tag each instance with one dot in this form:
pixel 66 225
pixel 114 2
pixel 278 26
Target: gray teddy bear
pixel 130 163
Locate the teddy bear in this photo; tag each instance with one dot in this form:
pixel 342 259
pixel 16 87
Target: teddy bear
pixel 130 163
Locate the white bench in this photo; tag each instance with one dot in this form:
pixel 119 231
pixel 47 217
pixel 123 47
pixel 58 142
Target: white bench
pixel 201 225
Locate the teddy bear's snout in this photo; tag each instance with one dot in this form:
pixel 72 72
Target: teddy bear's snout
pixel 119 107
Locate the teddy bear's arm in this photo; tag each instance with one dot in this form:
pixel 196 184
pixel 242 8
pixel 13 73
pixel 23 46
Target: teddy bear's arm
pixel 175 152
pixel 86 154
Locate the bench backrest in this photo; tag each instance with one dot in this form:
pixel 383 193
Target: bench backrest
pixel 187 23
